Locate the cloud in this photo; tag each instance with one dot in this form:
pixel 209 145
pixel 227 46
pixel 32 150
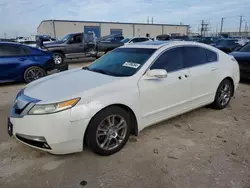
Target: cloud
pixel 21 17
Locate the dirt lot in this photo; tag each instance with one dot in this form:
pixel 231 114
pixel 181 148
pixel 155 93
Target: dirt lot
pixel 204 148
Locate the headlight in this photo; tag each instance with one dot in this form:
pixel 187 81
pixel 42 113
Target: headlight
pixel 40 109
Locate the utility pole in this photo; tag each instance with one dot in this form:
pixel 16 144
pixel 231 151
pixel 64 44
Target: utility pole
pixel 204 28
pixel 152 20
pixel 148 20
pixel 221 25
pixel 216 34
pixel 240 25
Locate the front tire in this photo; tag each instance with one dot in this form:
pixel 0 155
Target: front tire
pixel 109 131
pixel 223 95
pixel 33 73
pixel 58 58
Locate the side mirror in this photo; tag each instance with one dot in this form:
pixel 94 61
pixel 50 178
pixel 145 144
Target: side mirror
pixel 131 42
pixel 157 73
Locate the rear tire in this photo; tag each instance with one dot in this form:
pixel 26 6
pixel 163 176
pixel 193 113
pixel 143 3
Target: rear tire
pixel 223 95
pixel 34 73
pixel 109 131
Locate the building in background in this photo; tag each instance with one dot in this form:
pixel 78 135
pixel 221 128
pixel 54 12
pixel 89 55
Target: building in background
pixel 59 28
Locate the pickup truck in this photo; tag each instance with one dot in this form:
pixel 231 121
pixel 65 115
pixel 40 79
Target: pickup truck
pixel 71 46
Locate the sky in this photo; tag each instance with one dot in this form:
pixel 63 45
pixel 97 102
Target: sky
pixel 22 17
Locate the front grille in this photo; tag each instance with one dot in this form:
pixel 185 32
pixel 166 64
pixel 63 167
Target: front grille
pixel 39 144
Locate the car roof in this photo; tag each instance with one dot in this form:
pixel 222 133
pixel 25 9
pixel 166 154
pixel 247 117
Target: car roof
pixel 158 44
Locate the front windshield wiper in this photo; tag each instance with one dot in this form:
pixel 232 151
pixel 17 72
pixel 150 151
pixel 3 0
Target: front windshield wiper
pixel 104 72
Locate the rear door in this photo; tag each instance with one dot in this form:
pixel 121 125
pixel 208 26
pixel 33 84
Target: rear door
pixel 204 73
pixel 12 58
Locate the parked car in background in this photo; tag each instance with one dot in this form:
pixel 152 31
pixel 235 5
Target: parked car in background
pixel 23 63
pixel 242 55
pixel 131 40
pixel 163 37
pixel 125 91
pixel 108 43
pixel 226 45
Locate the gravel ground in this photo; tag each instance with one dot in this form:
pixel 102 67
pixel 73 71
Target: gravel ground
pixel 204 148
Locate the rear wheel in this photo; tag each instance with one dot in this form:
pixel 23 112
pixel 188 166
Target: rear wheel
pixel 109 131
pixel 34 73
pixel 223 94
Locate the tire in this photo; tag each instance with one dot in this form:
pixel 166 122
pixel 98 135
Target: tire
pixel 111 138
pixel 33 73
pixel 58 58
pixel 221 102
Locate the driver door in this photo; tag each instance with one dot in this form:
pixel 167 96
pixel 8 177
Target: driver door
pixel 75 45
pixel 161 98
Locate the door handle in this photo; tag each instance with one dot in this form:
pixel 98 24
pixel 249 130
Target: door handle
pixel 214 69
pixel 22 59
pixel 186 75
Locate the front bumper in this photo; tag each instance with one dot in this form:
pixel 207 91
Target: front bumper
pixel 58 135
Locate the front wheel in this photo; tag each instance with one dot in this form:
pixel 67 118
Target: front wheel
pixel 34 73
pixel 109 131
pixel 223 94
pixel 58 58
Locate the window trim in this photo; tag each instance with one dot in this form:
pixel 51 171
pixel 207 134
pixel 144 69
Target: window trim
pixel 180 46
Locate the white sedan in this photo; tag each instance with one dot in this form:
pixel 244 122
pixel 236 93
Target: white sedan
pixel 126 90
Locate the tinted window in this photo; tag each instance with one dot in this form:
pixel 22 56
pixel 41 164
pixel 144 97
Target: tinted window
pixel 194 56
pixel 134 40
pixel 142 39
pixel 170 60
pixel 11 50
pixel 122 61
pixel 211 56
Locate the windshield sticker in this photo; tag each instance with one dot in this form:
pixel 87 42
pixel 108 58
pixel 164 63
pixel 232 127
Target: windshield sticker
pixel 131 65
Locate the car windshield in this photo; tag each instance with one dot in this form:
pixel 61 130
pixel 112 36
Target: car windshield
pixel 125 40
pixel 65 38
pixel 121 61
pixel 245 48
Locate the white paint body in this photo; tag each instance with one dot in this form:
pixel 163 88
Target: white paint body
pixel 151 99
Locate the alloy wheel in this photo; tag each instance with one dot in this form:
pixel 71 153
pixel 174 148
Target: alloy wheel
pixel 111 132
pixel 34 74
pixel 57 59
pixel 225 94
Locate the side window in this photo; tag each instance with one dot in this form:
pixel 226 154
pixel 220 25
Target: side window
pixel 171 60
pixel 11 50
pixel 211 56
pixel 142 39
pixel 76 39
pixel 194 56
pixel 134 40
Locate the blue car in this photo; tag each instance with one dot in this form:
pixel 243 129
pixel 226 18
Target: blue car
pixel 23 63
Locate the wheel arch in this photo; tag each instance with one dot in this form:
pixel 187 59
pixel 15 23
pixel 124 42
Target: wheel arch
pixel 232 82
pixel 134 121
pixel 58 51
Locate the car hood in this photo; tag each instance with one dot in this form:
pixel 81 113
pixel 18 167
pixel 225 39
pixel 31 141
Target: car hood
pixel 66 85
